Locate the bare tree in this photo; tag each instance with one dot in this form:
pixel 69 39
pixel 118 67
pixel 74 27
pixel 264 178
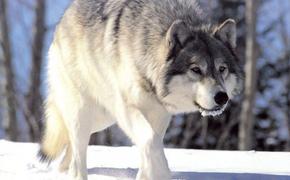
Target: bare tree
pixel 8 90
pixel 247 117
pixel 288 105
pixel 192 124
pixel 286 57
pixel 34 98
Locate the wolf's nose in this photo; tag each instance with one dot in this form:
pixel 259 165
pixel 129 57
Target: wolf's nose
pixel 221 98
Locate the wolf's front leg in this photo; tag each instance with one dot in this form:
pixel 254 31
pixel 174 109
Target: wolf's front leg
pixel 153 162
pixel 147 135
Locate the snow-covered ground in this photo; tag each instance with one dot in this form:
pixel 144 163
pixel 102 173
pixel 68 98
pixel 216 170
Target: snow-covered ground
pixel 18 161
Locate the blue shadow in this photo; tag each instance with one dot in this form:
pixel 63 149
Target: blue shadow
pixel 131 173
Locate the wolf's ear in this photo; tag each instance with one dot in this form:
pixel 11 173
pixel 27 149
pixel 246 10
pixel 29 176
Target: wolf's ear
pixel 227 32
pixel 177 34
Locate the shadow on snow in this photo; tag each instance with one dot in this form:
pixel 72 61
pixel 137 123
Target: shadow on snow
pixel 131 173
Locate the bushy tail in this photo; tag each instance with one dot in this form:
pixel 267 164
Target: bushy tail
pixel 55 137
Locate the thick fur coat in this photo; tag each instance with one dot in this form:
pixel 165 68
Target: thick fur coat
pixel 134 62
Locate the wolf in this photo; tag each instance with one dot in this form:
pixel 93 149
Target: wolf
pixel 135 63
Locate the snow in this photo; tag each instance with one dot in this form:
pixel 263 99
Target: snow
pixel 18 161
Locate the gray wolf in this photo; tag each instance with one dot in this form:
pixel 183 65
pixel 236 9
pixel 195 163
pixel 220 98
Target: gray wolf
pixel 135 63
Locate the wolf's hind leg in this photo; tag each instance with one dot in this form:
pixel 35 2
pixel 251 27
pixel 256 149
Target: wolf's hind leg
pixel 64 166
pixel 79 139
pixel 79 122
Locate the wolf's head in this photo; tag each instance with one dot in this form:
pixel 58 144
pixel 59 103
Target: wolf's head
pixel 202 71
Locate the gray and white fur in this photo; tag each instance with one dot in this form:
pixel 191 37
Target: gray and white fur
pixel 135 63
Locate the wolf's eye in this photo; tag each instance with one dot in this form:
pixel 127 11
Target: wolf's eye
pixel 222 69
pixel 196 70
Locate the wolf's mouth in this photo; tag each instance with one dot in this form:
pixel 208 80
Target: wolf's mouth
pixel 210 112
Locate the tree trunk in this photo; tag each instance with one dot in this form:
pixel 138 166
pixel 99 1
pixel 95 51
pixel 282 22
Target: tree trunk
pixel 287 148
pixel 288 108
pixel 286 43
pixel 192 124
pixel 34 98
pixel 247 117
pixel 8 99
